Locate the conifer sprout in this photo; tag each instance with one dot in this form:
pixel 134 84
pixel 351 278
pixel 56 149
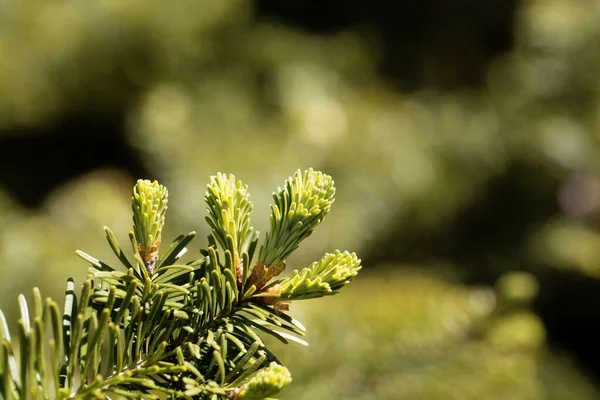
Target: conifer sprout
pixel 149 204
pixel 265 383
pixel 158 328
pixel 322 278
pixel 229 209
pixel 299 207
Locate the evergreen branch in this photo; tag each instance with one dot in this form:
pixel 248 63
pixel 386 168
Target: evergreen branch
pixel 176 250
pixel 155 328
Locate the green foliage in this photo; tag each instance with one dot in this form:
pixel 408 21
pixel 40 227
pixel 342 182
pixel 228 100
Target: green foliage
pixel 208 86
pixel 229 208
pixel 299 207
pixel 422 337
pixel 265 383
pixel 157 327
pixel 149 205
pixel 323 277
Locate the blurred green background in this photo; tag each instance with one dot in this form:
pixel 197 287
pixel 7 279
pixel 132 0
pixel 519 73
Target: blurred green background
pixel 463 136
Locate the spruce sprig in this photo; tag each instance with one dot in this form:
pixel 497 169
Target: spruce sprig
pixel 155 327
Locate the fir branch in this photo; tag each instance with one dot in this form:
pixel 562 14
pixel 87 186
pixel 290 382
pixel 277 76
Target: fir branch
pixel 156 328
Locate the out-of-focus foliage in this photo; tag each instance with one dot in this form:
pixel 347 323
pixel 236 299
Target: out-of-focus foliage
pixel 422 338
pixel 37 248
pixel 206 87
